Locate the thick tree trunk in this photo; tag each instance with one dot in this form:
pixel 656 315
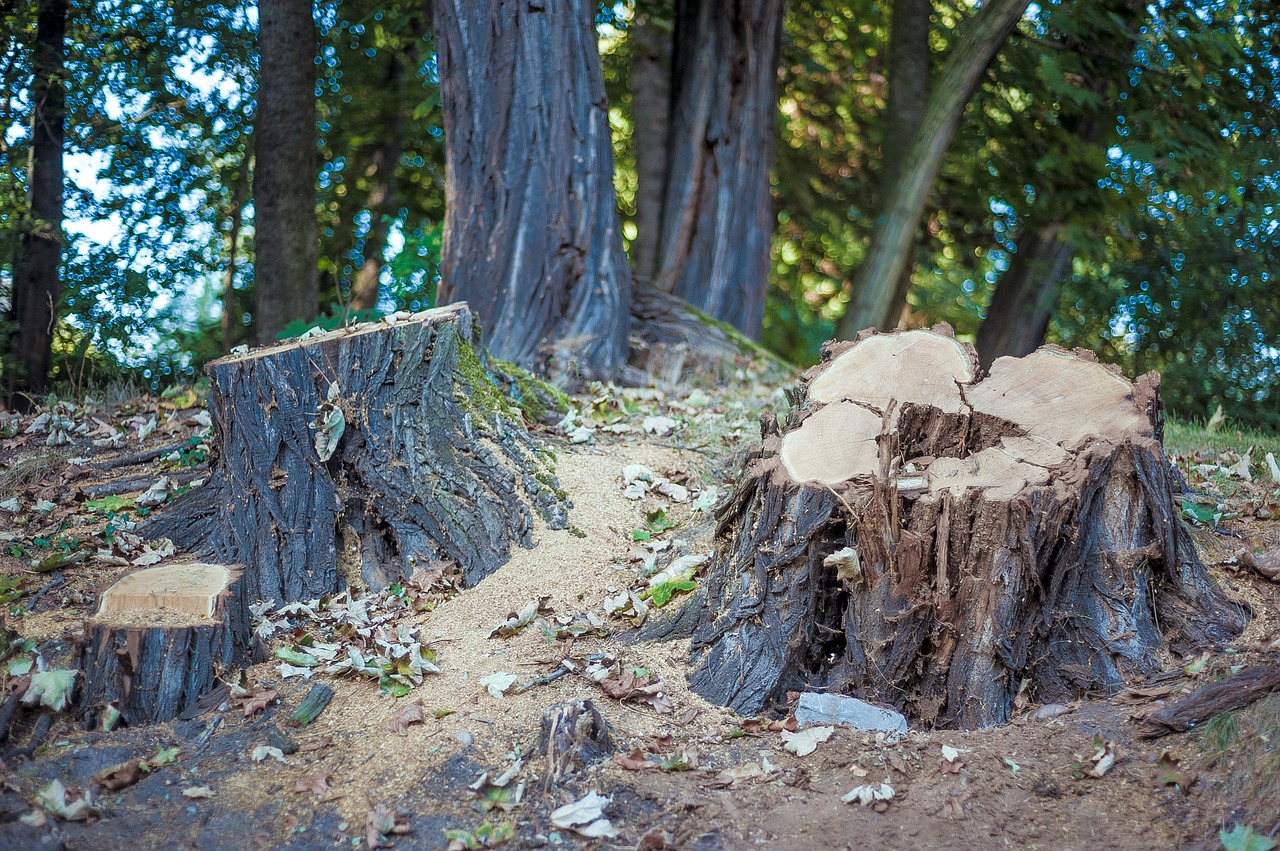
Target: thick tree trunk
pixel 361 455
pixel 284 180
pixel 650 41
pixel 899 213
pixel 232 318
pixel 1022 304
pixel 36 266
pixel 532 240
pixel 925 540
pixel 160 639
pixel 717 215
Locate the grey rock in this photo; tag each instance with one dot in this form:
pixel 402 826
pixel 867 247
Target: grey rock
pixel 817 708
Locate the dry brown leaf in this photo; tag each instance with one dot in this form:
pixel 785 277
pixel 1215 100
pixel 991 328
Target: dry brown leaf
pixel 120 776
pixel 319 783
pixel 258 702
pixel 408 715
pixel 635 761
pixel 316 745
pixel 381 823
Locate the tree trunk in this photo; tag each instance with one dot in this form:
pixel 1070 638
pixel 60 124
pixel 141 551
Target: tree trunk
pixel 1022 304
pixel 160 638
pixel 909 58
pixel 232 318
pixel 899 213
pixel 717 215
pixel 921 539
pixel 368 280
pixel 358 456
pixel 284 179
pixel 36 266
pixel 649 38
pixel 531 239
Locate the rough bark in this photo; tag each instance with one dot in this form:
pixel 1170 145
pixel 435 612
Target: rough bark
pixel 1236 691
pixel 532 239
pixel 1018 527
pixel 381 203
pixel 899 214
pixel 232 317
pixel 286 239
pixel 717 216
pixel 36 264
pixel 160 639
pixel 1023 302
pixel 649 38
pixel 431 466
pixel 573 736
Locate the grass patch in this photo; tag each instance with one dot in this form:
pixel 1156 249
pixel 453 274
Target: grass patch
pixel 28 471
pixel 1184 438
pixel 1246 746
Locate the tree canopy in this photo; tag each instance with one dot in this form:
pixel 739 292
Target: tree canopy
pixel 1109 183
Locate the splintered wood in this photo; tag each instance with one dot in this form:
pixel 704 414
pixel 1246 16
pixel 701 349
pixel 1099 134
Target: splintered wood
pixel 1014 526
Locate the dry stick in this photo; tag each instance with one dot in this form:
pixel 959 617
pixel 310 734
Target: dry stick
pixel 140 457
pixel 1234 692
pixel 7 713
pixel 38 735
pixel 138 483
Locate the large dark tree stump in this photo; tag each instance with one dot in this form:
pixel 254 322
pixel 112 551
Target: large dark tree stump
pixel 160 638
pixel 1021 526
pixel 431 466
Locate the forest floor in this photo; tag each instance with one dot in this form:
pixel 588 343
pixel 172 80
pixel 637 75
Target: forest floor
pixel 460 752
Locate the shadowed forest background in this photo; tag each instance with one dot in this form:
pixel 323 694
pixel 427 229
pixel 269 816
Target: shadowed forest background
pixel 178 179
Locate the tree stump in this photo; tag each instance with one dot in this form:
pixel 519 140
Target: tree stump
pixel 927 540
pixel 160 638
pixel 357 456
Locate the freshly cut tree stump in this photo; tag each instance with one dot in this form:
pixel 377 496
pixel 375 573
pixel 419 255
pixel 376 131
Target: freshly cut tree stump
pixel 357 456
pixel 160 638
pixel 921 538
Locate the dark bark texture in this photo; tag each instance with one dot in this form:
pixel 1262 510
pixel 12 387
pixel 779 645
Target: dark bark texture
pixel 36 266
pixel 286 240
pixel 1077 579
pixel 154 673
pixel 717 218
pixel 1230 693
pixel 433 465
pixel 532 239
pixel 649 38
pixel 1023 302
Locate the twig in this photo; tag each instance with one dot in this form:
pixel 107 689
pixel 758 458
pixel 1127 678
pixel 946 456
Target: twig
pixel 140 457
pixel 38 735
pixel 1234 692
pixel 57 580
pixel 6 714
pixel 542 680
pixel 140 483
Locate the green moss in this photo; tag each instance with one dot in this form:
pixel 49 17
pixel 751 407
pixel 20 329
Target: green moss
pixel 482 394
pixel 576 532
pixel 544 478
pixel 745 344
pixel 531 394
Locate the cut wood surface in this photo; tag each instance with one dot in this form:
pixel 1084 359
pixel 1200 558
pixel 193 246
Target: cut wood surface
pixel 160 638
pixel 362 455
pixel 1008 527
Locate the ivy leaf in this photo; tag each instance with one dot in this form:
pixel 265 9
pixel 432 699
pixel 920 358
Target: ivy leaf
pixel 51 688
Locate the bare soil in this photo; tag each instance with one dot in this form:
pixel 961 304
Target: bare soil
pixel 1024 785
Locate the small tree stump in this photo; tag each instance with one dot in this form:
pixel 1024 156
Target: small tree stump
pixel 160 638
pixel 357 456
pixel 573 735
pixel 927 540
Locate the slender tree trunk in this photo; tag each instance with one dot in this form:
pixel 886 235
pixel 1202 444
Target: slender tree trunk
pixel 367 283
pixel 909 57
pixel 717 217
pixel 36 272
pixel 232 317
pixel 1022 304
pixel 894 231
pixel 650 38
pixel 531 236
pixel 284 180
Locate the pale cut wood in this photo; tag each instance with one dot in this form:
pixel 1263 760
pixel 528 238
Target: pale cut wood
pixel 1023 528
pixel 160 640
pixel 193 588
pixel 913 366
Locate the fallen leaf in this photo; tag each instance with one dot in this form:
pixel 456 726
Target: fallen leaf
pixel 635 761
pixel 1104 757
pixel 54 799
pixel 120 776
pixel 497 683
pixel 408 715
pixel 381 823
pixel 259 702
pixel 198 792
pixel 51 688
pixel 804 742
pixel 585 816
pixel 869 793
pixel 262 752
pixel 319 783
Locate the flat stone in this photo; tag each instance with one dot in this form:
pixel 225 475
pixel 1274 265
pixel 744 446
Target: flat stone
pixel 817 708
